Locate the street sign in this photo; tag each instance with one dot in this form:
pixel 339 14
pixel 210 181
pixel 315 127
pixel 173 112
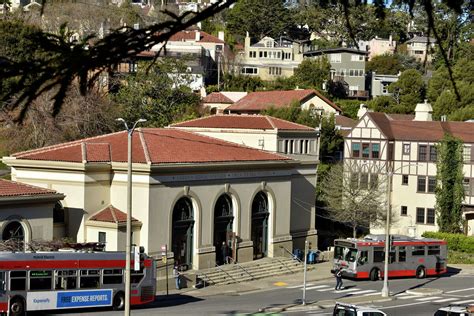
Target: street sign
pixel 163 259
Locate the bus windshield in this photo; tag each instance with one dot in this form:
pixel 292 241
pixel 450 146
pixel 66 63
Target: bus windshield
pixel 2 281
pixel 345 253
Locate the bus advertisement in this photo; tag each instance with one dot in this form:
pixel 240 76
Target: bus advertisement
pixel 38 281
pixel 408 257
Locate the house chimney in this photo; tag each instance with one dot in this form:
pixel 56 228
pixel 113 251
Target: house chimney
pixel 247 40
pixel 362 110
pixel 198 36
pixel 221 35
pixel 390 40
pixel 423 112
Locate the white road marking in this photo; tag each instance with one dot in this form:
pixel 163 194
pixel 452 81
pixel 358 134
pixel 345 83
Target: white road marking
pixel 363 292
pixel 326 290
pixel 405 305
pixel 430 298
pixel 346 290
pixel 376 293
pixel 408 297
pixel 464 302
pixel 462 290
pixel 318 287
pixel 401 294
pixel 300 285
pixel 445 300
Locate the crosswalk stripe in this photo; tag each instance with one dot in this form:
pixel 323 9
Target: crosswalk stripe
pixel 464 302
pixel 430 298
pixel 364 292
pixel 445 300
pixel 462 290
pixel 299 285
pixel 375 293
pixel 318 287
pixel 401 294
pixel 346 290
pixel 326 290
pixel 408 297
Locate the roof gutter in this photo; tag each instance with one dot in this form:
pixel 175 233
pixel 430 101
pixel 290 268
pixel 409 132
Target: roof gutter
pixel 38 198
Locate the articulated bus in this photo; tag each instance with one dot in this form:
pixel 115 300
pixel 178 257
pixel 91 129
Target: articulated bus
pixel 34 281
pixel 365 258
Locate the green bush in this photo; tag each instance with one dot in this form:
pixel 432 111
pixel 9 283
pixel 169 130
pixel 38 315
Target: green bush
pixel 456 242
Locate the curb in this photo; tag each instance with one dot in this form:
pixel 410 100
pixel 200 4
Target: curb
pixel 323 304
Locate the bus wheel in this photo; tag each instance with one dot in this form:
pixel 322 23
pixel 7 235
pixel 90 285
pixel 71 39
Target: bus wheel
pixel 17 307
pixel 119 301
pixel 374 274
pixel 420 272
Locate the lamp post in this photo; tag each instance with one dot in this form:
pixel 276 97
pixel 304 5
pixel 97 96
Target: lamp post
pixel 385 290
pixel 128 248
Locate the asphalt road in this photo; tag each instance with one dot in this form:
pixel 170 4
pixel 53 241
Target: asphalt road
pixel 458 288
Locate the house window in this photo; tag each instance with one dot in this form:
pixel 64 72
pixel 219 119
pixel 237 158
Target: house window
pixel 433 153
pixel 274 71
pixel 102 237
pixel 253 54
pixel 422 150
pixel 375 150
pixel 335 58
pixel 420 215
pixel 355 57
pixel 385 87
pixel 430 216
pixel 418 52
pixel 249 71
pixel 404 179
pixel 466 185
pixel 279 55
pixel 404 210
pixel 431 184
pixel 374 180
pixel 355 150
pixel 365 150
pixel 364 180
pixel 466 154
pixel 292 144
pixel 260 54
pixel 406 149
pixel 306 142
pixel 132 66
pixel 421 187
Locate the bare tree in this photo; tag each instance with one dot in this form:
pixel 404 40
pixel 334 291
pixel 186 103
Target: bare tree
pixel 353 196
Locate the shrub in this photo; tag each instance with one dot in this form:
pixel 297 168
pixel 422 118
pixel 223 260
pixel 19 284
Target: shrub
pixel 456 242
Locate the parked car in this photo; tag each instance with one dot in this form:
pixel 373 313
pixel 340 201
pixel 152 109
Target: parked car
pixel 456 310
pixel 342 309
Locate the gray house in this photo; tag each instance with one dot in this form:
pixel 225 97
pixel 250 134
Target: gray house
pixel 347 66
pixel 379 84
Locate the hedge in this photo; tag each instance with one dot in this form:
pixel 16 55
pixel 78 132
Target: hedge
pixel 457 242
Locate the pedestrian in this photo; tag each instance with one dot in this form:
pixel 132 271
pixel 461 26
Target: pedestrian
pixel 177 276
pixel 224 250
pixel 338 275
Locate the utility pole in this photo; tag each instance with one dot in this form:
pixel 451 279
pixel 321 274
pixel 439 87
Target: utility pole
pixel 304 274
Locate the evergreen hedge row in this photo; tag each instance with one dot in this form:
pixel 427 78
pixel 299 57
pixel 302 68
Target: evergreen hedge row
pixel 457 242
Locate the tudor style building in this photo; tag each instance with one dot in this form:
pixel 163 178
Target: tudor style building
pixel 190 192
pixel 382 144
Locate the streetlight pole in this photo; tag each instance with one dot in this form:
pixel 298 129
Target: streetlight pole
pixel 128 248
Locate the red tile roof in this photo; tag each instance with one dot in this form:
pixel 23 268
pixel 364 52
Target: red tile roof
pixel 12 188
pixel 430 131
pixel 217 97
pixel 150 145
pixel 262 100
pixel 111 214
pixel 190 35
pixel 243 121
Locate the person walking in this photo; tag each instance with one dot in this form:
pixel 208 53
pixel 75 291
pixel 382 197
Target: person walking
pixel 177 277
pixel 338 275
pixel 224 252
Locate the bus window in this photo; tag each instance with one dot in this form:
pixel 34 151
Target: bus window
pixel 418 251
pixel 379 254
pixel 351 254
pixel 2 281
pixel 363 257
pixel 17 280
pixel 90 279
pixel 391 256
pixel 338 252
pixel 402 254
pixel 66 279
pixel 433 250
pixel 41 280
pixel 112 276
pixel 136 276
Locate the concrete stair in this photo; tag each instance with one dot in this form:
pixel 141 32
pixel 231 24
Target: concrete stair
pixel 248 271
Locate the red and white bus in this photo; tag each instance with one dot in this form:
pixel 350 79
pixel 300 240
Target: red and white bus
pixel 365 258
pixel 33 281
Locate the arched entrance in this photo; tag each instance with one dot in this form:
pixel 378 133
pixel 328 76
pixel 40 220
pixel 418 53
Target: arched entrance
pixel 14 232
pixel 223 219
pixel 260 216
pixel 182 237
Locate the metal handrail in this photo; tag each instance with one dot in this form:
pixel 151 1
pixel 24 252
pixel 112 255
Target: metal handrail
pixel 283 264
pixel 232 259
pixel 199 273
pixel 292 255
pixel 218 267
